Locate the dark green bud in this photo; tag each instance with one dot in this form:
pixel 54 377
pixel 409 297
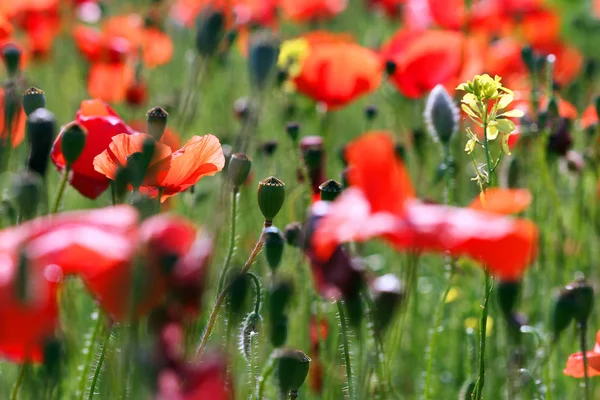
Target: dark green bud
pixel 238 169
pixel 583 300
pixel 293 130
pixel 278 331
pixel 280 294
pixel 291 370
pixel 528 58
pixel 274 244
pixel 388 293
pixel 271 194
pixel 157 122
pixel 269 147
pixel 330 190
pixel 12 58
pixel 441 115
pixel 121 182
pixel 293 234
pixel 262 57
pixel 33 98
pixel 561 314
pixel 73 142
pixel 41 127
pixel 390 67
pixel 371 112
pixel 238 292
pixel 508 296
pixel 210 29
pixel 26 189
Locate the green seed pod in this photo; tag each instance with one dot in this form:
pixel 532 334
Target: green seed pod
pixel 583 300
pixel 263 52
pixel 388 293
pixel 562 313
pixel 291 368
pixel 41 126
pixel 508 296
pixel 73 142
pixel 441 115
pixel 210 30
pixel 330 190
pixel 293 131
pixel 274 244
pixel 271 194
pixel 26 191
pixel 12 58
pixel 157 122
pixel 238 293
pixel 278 331
pixel 280 294
pixel 33 98
pixel 238 169
pixel 121 182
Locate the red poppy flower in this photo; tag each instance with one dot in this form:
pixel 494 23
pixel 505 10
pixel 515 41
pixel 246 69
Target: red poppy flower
pixel 589 117
pixel 425 59
pixel 311 10
pixel 101 123
pixel 41 21
pixel 17 133
pixel 575 366
pixel 380 204
pixel 6 28
pixel 169 172
pixel 502 201
pixel 110 82
pixel 338 73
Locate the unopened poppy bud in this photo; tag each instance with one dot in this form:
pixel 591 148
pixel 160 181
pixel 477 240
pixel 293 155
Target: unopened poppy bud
pixel 293 234
pixel 248 333
pixel 441 115
pixel 390 67
pixel 72 142
pixel 238 292
pixel 262 57
pixel 330 190
pixel 269 147
pixel 12 58
pixel 41 126
pixel 280 294
pixel 274 244
pixel 238 169
pixel 291 370
pixel 562 313
pixel 157 122
pixel 388 293
pixel 583 300
pixel 293 130
pixel 26 191
pixel 508 296
pixel 371 112
pixel 278 332
pixel 210 30
pixel 528 58
pixel 271 194
pixel 33 98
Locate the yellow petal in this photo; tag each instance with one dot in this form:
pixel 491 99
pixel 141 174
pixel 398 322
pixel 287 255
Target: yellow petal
pixel 512 114
pixel 505 100
pixel 468 110
pixel 492 132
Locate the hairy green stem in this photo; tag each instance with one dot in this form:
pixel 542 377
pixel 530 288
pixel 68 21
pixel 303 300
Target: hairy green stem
pixel 231 249
pixel 99 364
pixel 61 190
pixel 478 393
pixel 262 380
pixel 346 346
pixel 89 353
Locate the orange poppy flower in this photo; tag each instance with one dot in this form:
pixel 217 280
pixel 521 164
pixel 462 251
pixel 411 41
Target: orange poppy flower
pixel 427 58
pixel 110 82
pixel 169 137
pixel 101 123
pixel 6 28
pixel 311 10
pixel 338 73
pixel 41 21
pixel 589 117
pixel 385 208
pixel 540 27
pixel 502 201
pixel 169 172
pixel 17 133
pixel 574 365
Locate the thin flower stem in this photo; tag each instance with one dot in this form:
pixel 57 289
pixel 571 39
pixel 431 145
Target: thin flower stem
pixel 478 393
pixel 231 250
pixel 346 346
pixel 264 377
pixel 99 365
pixel 258 293
pixel 223 294
pixel 61 190
pixel 88 351
pixel 583 348
pixel 15 391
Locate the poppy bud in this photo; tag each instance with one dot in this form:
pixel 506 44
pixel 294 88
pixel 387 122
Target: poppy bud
pixel 278 331
pixel 388 293
pixel 583 300
pixel 210 29
pixel 72 142
pixel 262 57
pixel 269 147
pixel 41 125
pixel 291 370
pixel 33 98
pixel 271 194
pixel 390 67
pixel 293 130
pixel 314 159
pixel 371 112
pixel 157 122
pixel 280 294
pixel 330 190
pixel 26 191
pixel 562 313
pixel 528 58
pixel 122 179
pixel 293 234
pixel 238 292
pixel 238 169
pixel 274 244
pixel 508 296
pixel 250 329
pixel 12 58
pixel 441 115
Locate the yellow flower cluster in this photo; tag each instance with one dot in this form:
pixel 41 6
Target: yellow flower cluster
pixel 292 54
pixel 485 102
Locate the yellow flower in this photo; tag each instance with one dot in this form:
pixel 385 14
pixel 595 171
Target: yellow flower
pixel 292 55
pixel 470 146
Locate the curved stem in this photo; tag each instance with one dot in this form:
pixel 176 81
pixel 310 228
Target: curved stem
pixel 346 345
pixel 262 380
pixel 99 365
pixel 223 295
pixel 583 348
pixel 89 356
pixel 230 251
pixel 61 190
pixel 15 391
pixel 258 290
pixel 478 393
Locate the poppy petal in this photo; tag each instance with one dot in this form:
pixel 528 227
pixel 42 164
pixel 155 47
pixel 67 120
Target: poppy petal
pixel 502 201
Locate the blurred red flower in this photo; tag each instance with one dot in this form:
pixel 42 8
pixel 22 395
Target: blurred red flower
pixel 101 123
pixel 40 19
pixel 575 366
pixel 169 172
pixel 17 133
pixel 311 10
pixel 426 58
pixel 502 201
pixel 589 117
pixel 380 203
